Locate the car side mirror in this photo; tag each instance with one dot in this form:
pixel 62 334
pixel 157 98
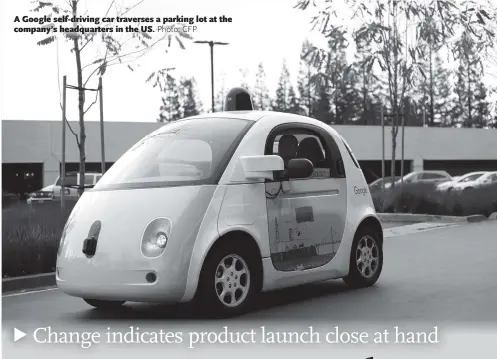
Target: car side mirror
pixel 299 168
pixel 259 167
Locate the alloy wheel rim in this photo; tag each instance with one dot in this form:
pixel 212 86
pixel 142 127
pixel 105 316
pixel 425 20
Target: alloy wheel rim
pixel 367 256
pixel 232 280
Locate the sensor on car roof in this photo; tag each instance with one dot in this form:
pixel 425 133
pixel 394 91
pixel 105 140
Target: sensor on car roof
pixel 238 99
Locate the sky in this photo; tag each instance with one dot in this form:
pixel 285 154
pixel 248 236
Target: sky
pixel 267 31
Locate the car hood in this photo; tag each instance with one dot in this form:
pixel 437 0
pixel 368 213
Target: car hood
pixel 123 216
pixel 46 189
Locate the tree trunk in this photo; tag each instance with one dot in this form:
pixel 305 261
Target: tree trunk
pixel 81 111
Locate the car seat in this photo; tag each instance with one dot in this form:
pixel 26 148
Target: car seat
pixel 287 148
pixel 310 149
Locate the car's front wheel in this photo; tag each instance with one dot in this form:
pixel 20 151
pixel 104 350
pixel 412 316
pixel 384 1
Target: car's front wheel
pixel 229 281
pixel 104 304
pixel 366 259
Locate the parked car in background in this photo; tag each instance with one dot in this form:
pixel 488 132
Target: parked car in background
pixel 469 181
pixel 435 177
pixel 377 185
pixel 41 196
pixel 72 181
pixel 52 192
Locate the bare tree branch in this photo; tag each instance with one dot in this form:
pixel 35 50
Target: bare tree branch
pixel 143 51
pixel 94 102
pixel 106 13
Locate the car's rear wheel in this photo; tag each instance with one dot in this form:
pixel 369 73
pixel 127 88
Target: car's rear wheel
pixel 366 259
pixel 229 280
pixel 104 304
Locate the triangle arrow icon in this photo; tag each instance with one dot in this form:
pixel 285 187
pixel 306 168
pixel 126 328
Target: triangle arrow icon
pixel 18 334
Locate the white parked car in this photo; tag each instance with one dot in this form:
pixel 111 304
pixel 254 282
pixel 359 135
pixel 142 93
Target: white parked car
pixel 46 194
pixel 72 181
pixel 427 176
pixel 469 181
pixel 205 209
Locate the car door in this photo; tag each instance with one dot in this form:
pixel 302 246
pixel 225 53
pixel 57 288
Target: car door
pixel 306 217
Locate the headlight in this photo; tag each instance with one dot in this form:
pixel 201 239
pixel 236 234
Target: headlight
pixel 155 237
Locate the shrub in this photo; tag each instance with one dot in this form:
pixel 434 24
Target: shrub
pixel 30 237
pixel 423 198
pixel 8 199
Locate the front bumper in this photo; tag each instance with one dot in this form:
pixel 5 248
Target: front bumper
pixel 121 285
pixel 39 199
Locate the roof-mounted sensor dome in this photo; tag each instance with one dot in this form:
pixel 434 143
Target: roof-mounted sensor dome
pixel 238 99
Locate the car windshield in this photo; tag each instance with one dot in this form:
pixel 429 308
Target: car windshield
pixel 190 152
pixel 408 177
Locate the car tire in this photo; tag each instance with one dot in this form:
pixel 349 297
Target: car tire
pixel 232 267
pixel 104 304
pixel 366 259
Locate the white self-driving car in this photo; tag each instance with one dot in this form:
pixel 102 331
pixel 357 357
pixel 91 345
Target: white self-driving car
pixel 218 208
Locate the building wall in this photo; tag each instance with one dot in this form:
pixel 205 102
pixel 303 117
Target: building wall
pixel 40 141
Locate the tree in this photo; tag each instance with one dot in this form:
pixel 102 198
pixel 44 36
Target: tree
pixel 322 110
pixel 367 84
pixel 170 109
pixel 95 52
pixel 261 93
pixel 294 106
pixel 244 73
pixel 482 106
pixel 338 75
pixel 190 104
pixel 305 82
pixel 282 100
pixel 220 95
pixel 442 89
pixel 468 77
pixel 381 27
pixel 494 121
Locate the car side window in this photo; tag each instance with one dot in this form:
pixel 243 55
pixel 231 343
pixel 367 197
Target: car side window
pixel 71 180
pixel 303 143
pixel 89 179
pixel 431 176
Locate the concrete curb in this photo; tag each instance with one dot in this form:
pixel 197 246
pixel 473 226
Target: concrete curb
pixel 411 217
pixel 28 282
